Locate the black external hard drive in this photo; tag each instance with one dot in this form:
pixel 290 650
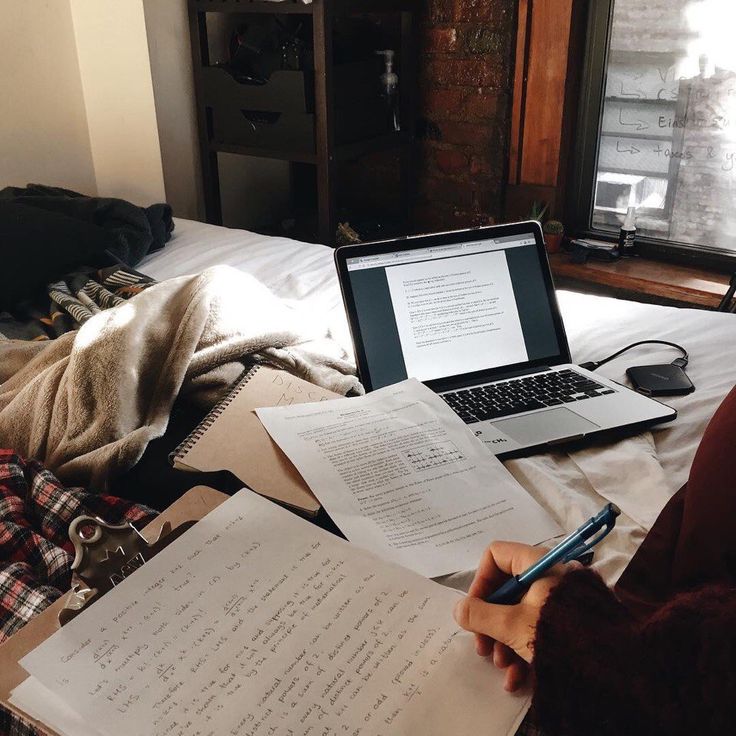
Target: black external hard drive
pixel 660 380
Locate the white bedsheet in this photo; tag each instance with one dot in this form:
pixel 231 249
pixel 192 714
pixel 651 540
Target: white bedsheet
pixel 638 473
pixel 291 269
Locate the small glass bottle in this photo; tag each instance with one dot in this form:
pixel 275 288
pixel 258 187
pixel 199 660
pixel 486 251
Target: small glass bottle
pixel 627 234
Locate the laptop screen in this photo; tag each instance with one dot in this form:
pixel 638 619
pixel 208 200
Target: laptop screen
pixel 452 309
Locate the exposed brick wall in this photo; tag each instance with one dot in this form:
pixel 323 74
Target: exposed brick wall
pixel 466 72
pixel 466 56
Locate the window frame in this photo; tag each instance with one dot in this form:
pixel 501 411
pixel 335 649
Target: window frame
pixel 584 159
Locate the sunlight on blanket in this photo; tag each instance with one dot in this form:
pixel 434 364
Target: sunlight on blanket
pixel 228 307
pixel 117 317
pixel 98 400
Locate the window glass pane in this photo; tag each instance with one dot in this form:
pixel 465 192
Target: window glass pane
pixel 667 139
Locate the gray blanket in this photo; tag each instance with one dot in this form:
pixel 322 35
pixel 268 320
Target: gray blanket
pixel 88 403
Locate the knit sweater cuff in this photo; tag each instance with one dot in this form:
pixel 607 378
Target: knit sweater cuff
pixel 584 659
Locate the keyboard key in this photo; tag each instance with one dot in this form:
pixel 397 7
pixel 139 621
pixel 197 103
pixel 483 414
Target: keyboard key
pixel 517 396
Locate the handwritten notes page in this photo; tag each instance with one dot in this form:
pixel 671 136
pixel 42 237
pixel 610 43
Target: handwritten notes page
pixel 35 700
pixel 403 476
pixel 255 622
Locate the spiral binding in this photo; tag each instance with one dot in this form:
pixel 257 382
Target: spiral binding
pixel 197 433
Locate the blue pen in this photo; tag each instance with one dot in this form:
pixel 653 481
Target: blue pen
pixel 570 548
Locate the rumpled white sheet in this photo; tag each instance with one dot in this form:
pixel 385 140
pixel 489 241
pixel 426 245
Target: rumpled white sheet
pixel 637 473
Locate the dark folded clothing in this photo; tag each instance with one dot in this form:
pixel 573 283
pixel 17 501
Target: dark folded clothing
pixel 46 232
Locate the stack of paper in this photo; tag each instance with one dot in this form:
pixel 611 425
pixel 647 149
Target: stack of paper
pixel 403 476
pixel 256 622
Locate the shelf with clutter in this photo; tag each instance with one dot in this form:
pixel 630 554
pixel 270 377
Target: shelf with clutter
pixel 297 82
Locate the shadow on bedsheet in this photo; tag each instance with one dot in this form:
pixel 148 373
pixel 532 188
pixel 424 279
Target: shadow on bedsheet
pixel 154 481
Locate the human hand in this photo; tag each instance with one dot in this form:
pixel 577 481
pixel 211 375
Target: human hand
pixel 506 632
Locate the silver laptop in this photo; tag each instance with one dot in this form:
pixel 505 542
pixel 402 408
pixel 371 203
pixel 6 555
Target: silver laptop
pixel 473 315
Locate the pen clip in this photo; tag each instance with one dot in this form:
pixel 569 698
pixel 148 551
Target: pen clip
pixel 581 549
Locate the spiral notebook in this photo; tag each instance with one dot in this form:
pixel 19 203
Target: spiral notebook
pixel 231 437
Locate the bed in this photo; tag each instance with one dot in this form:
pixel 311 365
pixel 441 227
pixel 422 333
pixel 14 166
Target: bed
pixel 638 473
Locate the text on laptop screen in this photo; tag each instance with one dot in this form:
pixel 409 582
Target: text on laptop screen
pixel 449 310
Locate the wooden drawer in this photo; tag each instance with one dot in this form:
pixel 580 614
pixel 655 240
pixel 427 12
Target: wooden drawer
pixel 294 131
pixel 290 91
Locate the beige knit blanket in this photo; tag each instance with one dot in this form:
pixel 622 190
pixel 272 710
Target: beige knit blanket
pixel 88 403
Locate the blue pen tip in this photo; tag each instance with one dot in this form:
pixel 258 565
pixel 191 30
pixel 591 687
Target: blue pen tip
pixel 615 510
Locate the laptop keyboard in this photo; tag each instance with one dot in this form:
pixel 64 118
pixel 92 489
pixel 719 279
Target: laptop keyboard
pixel 554 388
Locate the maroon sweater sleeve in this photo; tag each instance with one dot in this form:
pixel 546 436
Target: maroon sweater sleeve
pixel 599 671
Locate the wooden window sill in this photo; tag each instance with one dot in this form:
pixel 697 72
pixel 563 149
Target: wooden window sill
pixel 642 280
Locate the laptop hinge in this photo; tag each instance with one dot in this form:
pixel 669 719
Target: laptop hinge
pixel 465 382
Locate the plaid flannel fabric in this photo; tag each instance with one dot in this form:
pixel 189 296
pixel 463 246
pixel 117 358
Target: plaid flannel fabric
pixel 35 551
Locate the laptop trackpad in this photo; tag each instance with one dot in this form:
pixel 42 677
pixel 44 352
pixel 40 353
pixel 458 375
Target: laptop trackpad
pixel 543 426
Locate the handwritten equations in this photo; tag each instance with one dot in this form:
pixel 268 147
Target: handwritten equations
pixel 256 622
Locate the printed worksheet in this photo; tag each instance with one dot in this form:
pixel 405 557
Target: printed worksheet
pixel 256 622
pixel 403 476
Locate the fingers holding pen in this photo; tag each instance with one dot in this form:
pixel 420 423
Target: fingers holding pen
pixel 519 579
pixel 510 625
pixel 501 560
pixel 484 645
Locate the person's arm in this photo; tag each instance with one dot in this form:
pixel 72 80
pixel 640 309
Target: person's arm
pixel 597 671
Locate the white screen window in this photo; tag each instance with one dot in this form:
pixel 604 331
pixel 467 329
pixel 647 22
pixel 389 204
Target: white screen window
pixel 456 315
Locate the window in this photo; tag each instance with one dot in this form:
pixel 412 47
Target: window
pixel 658 122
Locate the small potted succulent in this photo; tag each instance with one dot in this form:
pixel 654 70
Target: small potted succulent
pixel 538 210
pixel 553 233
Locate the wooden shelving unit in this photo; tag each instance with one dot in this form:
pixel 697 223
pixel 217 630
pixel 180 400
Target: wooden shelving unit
pixel 327 152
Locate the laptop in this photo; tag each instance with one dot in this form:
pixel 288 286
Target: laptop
pixel 473 314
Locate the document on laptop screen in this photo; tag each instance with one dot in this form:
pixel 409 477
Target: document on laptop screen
pixel 456 315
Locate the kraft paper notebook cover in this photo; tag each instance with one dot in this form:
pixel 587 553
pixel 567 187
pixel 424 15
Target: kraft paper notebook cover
pixel 231 437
